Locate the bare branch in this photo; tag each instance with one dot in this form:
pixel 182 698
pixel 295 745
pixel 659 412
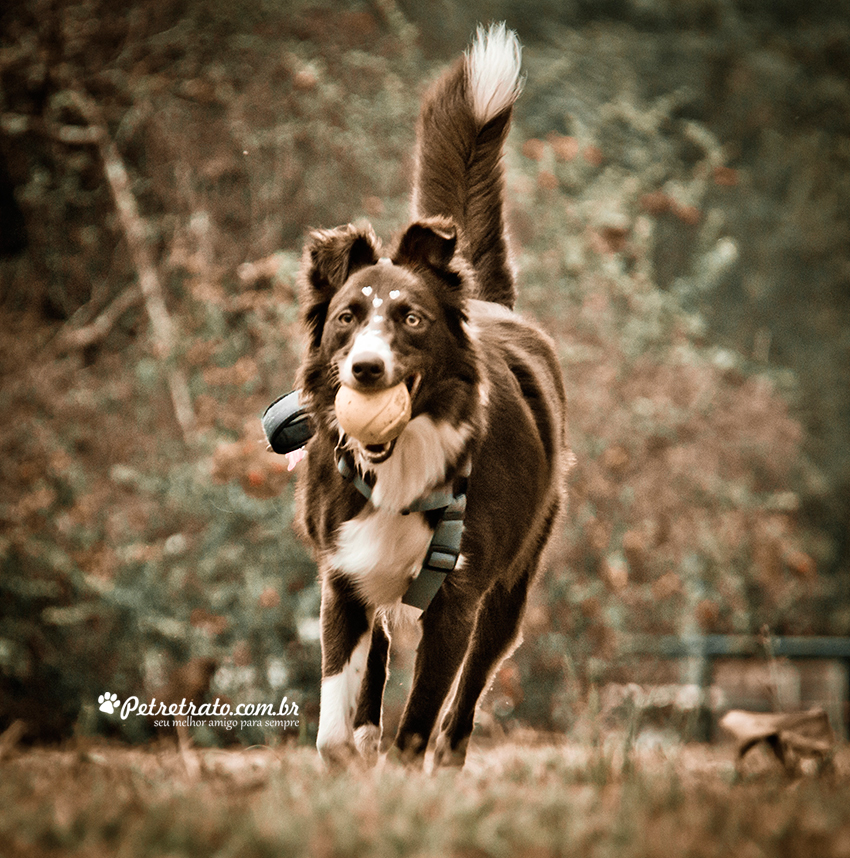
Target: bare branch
pixel 96 331
pixel 133 227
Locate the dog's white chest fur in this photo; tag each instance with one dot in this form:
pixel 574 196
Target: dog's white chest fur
pixel 380 551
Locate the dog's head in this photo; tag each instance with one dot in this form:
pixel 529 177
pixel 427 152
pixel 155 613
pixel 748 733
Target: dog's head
pixel 375 321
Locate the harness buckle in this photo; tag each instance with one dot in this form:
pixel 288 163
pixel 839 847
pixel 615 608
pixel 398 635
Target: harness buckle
pixel 441 557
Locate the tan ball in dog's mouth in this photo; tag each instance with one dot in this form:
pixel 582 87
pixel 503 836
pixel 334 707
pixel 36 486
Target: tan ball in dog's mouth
pixel 373 417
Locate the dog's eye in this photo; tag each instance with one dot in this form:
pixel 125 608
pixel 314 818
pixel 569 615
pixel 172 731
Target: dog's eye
pixel 345 318
pixel 413 320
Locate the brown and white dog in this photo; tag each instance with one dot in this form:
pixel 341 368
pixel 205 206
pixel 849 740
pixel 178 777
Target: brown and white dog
pixel 487 400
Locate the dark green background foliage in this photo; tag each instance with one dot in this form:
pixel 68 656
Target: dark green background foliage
pixel 679 182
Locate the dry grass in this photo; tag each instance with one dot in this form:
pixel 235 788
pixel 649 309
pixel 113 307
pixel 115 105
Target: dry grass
pixel 514 800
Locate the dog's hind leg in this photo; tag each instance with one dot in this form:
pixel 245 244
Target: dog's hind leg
pixel 345 645
pixel 367 719
pixel 495 634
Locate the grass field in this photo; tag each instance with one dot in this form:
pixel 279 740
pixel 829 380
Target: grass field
pixel 518 799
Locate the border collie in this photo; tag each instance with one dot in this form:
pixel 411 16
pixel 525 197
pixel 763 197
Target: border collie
pixel 435 311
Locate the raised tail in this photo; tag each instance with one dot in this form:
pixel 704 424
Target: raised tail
pixel 463 124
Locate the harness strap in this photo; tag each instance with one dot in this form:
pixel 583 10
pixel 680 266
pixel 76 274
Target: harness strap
pixel 350 472
pixel 444 548
pixel 441 557
pixel 438 499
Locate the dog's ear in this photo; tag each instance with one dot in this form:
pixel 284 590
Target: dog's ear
pixel 330 258
pixel 432 245
pixel 430 242
pixel 333 255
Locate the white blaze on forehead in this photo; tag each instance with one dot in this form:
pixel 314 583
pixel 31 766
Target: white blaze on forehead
pixel 371 340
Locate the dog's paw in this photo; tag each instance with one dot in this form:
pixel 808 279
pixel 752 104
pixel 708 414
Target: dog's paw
pixel 446 756
pixel 367 740
pixel 342 755
pixel 409 749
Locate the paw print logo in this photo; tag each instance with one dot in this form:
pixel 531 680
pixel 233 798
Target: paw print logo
pixel 108 702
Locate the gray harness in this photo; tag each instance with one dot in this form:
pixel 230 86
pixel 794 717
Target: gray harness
pixel 444 548
pixel 288 428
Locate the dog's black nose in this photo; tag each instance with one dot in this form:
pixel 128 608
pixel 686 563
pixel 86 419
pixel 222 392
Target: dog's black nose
pixel 368 368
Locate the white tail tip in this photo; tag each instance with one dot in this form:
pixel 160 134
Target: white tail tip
pixel 493 71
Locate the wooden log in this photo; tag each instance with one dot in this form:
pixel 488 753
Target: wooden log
pixel 791 736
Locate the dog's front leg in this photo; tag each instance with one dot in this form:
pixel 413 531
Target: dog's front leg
pixel 346 625
pixel 446 627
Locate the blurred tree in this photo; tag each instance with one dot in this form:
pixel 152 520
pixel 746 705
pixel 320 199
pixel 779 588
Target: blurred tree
pixel 678 192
